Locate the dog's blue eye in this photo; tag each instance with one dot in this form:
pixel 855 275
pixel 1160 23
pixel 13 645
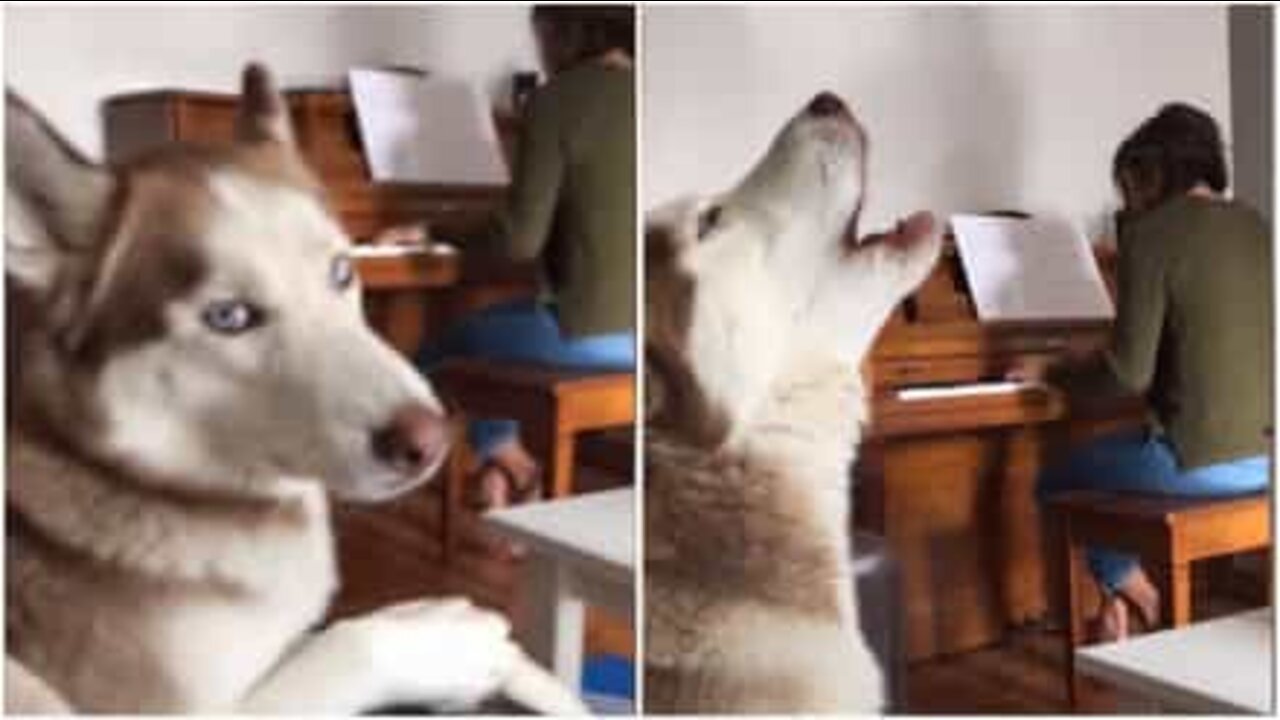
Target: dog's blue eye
pixel 231 317
pixel 341 274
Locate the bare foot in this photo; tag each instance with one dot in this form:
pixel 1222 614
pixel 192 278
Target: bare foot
pixel 1138 590
pixel 493 488
pixel 508 475
pixel 1112 621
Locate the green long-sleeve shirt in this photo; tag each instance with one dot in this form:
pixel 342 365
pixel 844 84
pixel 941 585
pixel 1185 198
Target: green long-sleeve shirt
pixel 571 204
pixel 1193 329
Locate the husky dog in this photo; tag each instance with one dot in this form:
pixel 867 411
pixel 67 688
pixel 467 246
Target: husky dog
pixel 189 372
pixel 760 306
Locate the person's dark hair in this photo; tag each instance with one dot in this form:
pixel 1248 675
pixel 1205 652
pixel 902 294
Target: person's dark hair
pixel 1173 151
pixel 589 31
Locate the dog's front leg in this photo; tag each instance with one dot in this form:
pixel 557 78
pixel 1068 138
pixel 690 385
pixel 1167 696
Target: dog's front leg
pixel 446 654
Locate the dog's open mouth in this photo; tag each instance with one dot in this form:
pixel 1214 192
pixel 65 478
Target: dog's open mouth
pixel 906 233
pixel 837 128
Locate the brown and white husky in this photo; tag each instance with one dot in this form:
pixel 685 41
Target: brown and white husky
pixel 189 373
pixel 759 307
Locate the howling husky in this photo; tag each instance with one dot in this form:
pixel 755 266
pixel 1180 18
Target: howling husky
pixel 759 307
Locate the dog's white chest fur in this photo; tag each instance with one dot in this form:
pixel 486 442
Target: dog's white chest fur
pixel 251 631
pixel 774 503
pixel 226 590
pixel 231 642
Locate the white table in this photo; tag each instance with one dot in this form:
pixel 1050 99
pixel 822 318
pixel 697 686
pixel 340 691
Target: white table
pixel 581 552
pixel 1216 666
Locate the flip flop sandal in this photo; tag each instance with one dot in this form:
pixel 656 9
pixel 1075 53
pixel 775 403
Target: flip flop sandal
pixel 516 491
pixel 515 495
pixel 529 491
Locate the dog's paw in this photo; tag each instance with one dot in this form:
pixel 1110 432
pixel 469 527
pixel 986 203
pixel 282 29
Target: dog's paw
pixel 448 653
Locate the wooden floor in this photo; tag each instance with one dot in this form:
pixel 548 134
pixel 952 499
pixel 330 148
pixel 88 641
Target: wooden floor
pixel 1023 676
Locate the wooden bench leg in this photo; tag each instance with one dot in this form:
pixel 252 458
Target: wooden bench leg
pixel 556 452
pixel 1073 627
pixel 1179 591
pixel 554 448
pixel 561 471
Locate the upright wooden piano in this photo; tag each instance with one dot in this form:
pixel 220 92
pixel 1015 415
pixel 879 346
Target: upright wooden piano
pixel 949 479
pixel 387 552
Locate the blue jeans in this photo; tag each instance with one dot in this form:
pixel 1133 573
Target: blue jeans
pixel 524 331
pixel 1143 463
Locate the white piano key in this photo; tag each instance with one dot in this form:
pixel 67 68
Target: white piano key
pixel 394 250
pixel 937 392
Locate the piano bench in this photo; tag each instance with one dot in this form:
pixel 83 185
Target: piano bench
pixel 552 405
pixel 1168 533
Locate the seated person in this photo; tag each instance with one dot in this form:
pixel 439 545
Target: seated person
pixel 1192 334
pixel 571 206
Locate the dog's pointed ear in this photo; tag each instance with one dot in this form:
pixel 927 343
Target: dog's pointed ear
pixel 264 115
pixel 57 201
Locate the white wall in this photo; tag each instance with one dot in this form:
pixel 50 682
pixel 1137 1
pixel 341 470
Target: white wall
pixel 968 108
pixel 66 60
pixel 1252 104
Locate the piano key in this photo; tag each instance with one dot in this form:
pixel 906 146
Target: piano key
pixel 937 392
pixel 398 250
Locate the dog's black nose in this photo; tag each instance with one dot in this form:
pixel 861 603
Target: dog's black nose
pixel 825 104
pixel 413 441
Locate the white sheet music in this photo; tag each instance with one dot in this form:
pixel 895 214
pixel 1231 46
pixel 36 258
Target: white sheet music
pixel 1030 269
pixel 424 128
